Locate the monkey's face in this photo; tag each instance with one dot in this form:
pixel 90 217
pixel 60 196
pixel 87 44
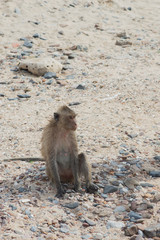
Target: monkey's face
pixel 69 122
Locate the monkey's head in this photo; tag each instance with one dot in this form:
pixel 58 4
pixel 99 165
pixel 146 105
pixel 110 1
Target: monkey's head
pixel 66 118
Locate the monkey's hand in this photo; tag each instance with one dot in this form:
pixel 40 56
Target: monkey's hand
pixel 92 188
pixel 60 193
pixel 77 187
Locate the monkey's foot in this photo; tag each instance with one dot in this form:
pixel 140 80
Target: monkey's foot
pixel 92 188
pixel 60 193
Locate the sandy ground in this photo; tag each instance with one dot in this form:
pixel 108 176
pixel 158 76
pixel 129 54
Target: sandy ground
pixel 118 108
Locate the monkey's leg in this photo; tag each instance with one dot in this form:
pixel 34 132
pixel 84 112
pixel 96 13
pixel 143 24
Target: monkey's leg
pixel 75 171
pixel 55 175
pixel 85 169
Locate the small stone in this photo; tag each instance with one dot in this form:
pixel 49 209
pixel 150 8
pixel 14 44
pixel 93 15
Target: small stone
pixel 146 185
pixel 81 87
pixel 23 96
pixel 2 95
pixel 22 189
pixel 98 236
pixel 104 195
pixel 134 215
pixel 40 66
pixel 123 43
pixel 130 231
pixel 130 183
pixel 154 173
pixel 87 236
pixel 36 35
pixel 64 228
pixel 49 75
pixel 120 209
pixel 27 43
pixel 33 229
pixel 94 165
pixel 49 82
pixel 74 103
pixel 157 158
pixel 12 207
pixel 152 231
pixel 114 224
pixel 17 10
pixel 129 8
pixel 90 223
pixel 71 205
pixel 156 198
pixel 109 189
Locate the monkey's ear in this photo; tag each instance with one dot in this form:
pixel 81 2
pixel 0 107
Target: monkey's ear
pixel 56 116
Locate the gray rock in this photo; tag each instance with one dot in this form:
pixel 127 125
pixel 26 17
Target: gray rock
pixel 64 228
pixel 134 215
pixel 74 103
pixel 130 183
pixel 23 96
pixel 49 82
pixel 28 43
pixel 157 158
pixel 12 207
pixel 114 224
pixel 81 87
pixel 146 185
pixel 152 231
pixel 109 189
pixel 71 205
pixel 49 75
pixel 104 195
pixel 120 209
pixel 33 229
pixel 90 222
pixel 98 236
pixel 132 230
pixel 2 95
pixel 22 189
pixel 154 173
pixel 87 236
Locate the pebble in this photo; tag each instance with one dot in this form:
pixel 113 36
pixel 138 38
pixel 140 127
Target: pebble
pixel 49 82
pixel 109 189
pixel 130 183
pixel 74 103
pixel 157 158
pixel 104 195
pixel 91 223
pixel 23 96
pixel 33 229
pixel 146 185
pixel 152 230
pixel 98 236
pixel 120 209
pixel 114 224
pixel 22 189
pixel 12 207
pixel 71 205
pixel 154 173
pixel 134 215
pixel 2 95
pixel 64 228
pixel 49 75
pixel 87 236
pixel 81 87
pixel 130 231
pixel 28 44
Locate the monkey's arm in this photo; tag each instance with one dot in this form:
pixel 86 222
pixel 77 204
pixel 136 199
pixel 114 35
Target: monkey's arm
pixel 54 169
pixel 25 159
pixel 75 171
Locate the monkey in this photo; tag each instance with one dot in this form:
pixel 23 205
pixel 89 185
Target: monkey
pixel 59 148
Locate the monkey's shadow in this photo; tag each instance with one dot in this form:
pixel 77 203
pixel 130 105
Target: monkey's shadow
pixel 33 182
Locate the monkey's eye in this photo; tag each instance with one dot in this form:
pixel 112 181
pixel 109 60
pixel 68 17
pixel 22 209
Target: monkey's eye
pixel 71 117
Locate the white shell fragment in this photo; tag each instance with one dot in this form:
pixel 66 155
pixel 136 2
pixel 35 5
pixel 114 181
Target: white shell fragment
pixel 40 66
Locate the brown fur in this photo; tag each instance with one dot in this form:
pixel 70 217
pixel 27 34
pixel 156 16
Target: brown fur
pixel 60 151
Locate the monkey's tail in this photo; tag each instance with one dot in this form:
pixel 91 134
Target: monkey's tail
pixel 29 159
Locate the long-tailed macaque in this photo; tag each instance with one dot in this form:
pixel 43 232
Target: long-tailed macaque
pixel 60 151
